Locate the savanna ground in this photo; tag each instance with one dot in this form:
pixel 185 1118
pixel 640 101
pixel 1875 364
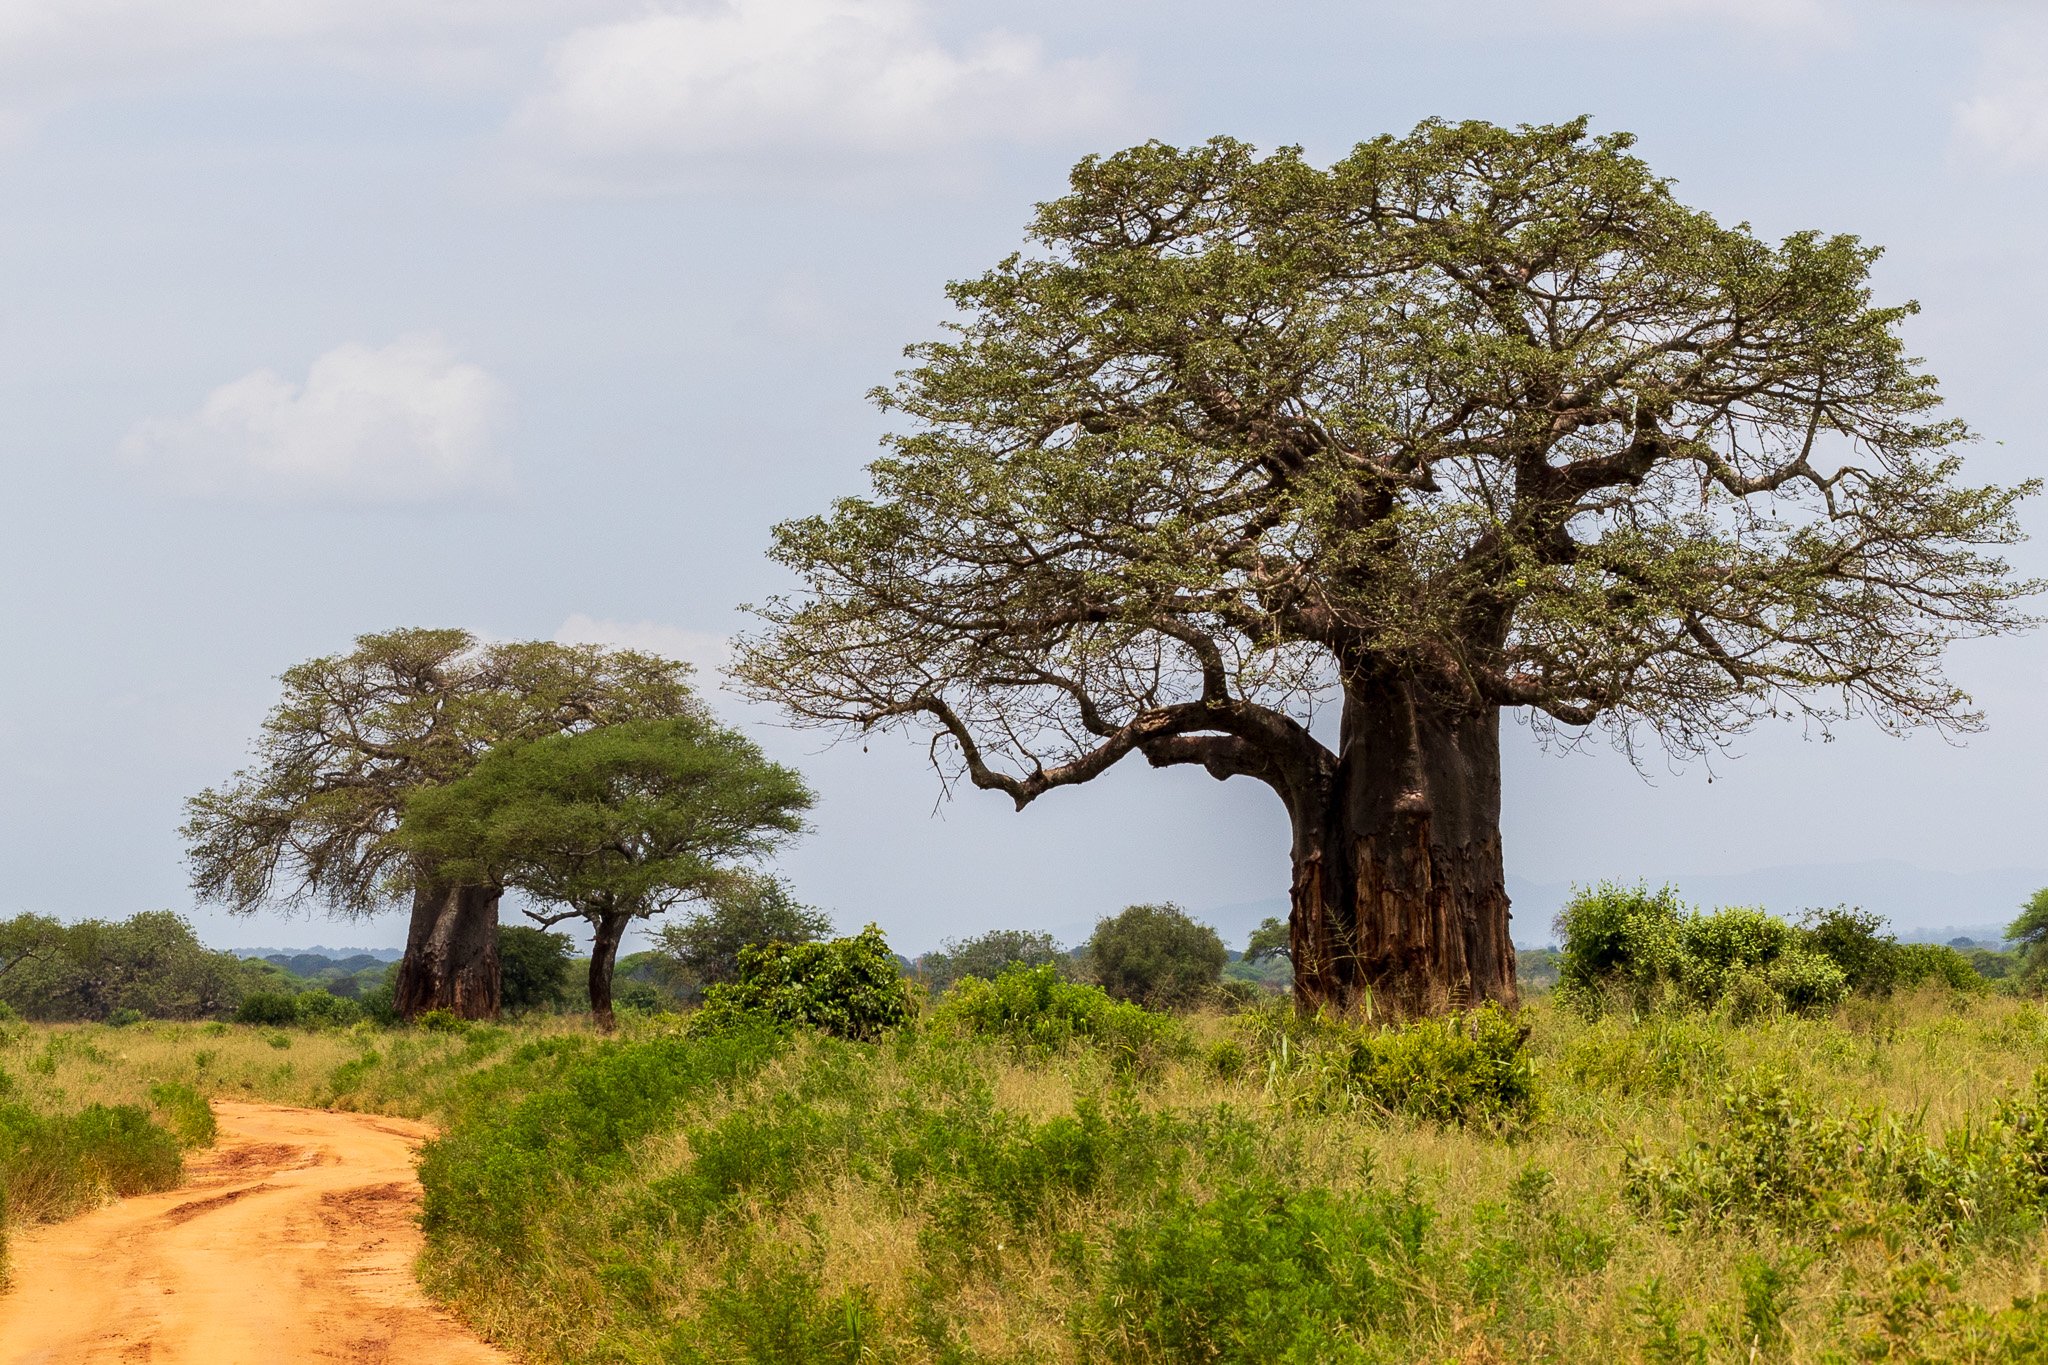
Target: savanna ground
pixel 999 1185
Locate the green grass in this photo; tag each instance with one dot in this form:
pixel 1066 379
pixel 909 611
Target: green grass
pixel 1025 1175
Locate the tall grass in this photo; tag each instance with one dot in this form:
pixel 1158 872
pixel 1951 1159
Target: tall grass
pixel 978 1188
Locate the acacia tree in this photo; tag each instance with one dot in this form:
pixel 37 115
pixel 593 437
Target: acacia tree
pixel 611 825
pixel 314 819
pixel 1475 420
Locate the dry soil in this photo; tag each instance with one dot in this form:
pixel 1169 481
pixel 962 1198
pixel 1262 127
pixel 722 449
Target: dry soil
pixel 292 1240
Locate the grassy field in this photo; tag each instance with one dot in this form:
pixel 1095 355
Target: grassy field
pixel 1867 1186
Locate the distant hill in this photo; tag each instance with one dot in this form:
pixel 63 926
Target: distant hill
pixel 319 950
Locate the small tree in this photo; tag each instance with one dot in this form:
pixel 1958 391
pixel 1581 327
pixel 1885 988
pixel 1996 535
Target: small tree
pixel 1156 955
pixel 989 955
pixel 151 964
pixel 534 967
pixel 1268 941
pixel 1472 421
pixel 2029 934
pixel 611 825
pixel 315 818
pixel 705 947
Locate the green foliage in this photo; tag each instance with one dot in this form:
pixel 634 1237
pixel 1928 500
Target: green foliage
pixel 1258 1274
pixel 271 1009
pixel 184 1111
pixel 354 736
pixel 851 987
pixel 1778 1157
pixel 1466 1069
pixel 614 823
pixel 704 948
pixel 1644 951
pixel 1270 940
pixel 1156 955
pixel 1035 1007
pixel 989 955
pixel 148 966
pixel 497 1171
pixel 53 1165
pixel 533 968
pixel 2030 933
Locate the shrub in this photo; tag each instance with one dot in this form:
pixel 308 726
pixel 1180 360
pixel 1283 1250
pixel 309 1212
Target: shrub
pixel 1855 942
pixel 1617 939
pixel 51 1166
pixel 2029 933
pixel 850 987
pixel 1034 1007
pixel 1921 964
pixel 1256 1275
pixel 185 1112
pixel 269 1009
pixel 324 1009
pixel 1155 955
pixel 1465 1069
pixel 705 948
pixel 533 968
pixel 989 955
pixel 498 1168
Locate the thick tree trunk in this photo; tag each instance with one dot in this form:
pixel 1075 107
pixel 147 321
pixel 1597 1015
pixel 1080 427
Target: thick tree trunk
pixel 1400 902
pixel 451 953
pixel 604 953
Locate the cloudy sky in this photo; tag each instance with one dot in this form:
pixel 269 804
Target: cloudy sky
pixel 532 316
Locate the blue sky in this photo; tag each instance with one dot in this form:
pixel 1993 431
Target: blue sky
pixel 533 316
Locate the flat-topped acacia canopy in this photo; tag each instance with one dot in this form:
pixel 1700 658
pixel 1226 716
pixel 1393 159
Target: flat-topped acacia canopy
pixel 1473 420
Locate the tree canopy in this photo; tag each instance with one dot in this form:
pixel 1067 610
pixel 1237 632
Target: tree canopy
pixel 1475 419
pixel 612 824
pixel 354 735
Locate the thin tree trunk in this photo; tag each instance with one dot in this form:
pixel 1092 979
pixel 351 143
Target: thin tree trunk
pixel 604 952
pixel 1400 902
pixel 451 953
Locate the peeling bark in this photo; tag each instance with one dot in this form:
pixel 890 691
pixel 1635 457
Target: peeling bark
pixel 1399 902
pixel 451 953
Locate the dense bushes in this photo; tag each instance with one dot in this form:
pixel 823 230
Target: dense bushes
pixel 150 966
pixel 1035 1007
pixel 989 955
pixel 852 987
pixel 1458 1069
pixel 306 1009
pixel 1646 950
pixel 1777 1156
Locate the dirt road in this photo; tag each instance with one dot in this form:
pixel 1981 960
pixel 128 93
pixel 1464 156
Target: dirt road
pixel 293 1240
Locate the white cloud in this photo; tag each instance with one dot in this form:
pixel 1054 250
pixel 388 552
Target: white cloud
pixel 703 650
pixel 737 81
pixel 403 423
pixel 2006 117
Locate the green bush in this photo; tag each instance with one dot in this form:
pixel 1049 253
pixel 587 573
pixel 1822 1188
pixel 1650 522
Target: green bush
pixel 989 955
pixel 1156 955
pixel 1466 1069
pixel 1037 1008
pixel 55 1165
pixel 324 1009
pixel 1922 964
pixel 185 1112
pixel 533 968
pixel 849 987
pixel 268 1009
pixel 1258 1275
pixel 498 1169
pixel 1646 951
pixel 1778 1157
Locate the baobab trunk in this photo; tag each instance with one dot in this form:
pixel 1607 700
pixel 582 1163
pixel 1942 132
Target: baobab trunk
pixel 451 953
pixel 1400 902
pixel 604 954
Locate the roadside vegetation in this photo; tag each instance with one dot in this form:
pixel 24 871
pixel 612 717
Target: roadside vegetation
pixel 1687 1151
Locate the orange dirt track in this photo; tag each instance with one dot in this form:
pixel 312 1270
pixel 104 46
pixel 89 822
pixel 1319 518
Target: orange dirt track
pixel 292 1241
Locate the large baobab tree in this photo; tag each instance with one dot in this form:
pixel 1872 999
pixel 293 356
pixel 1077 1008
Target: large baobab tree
pixel 315 818
pixel 1474 420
